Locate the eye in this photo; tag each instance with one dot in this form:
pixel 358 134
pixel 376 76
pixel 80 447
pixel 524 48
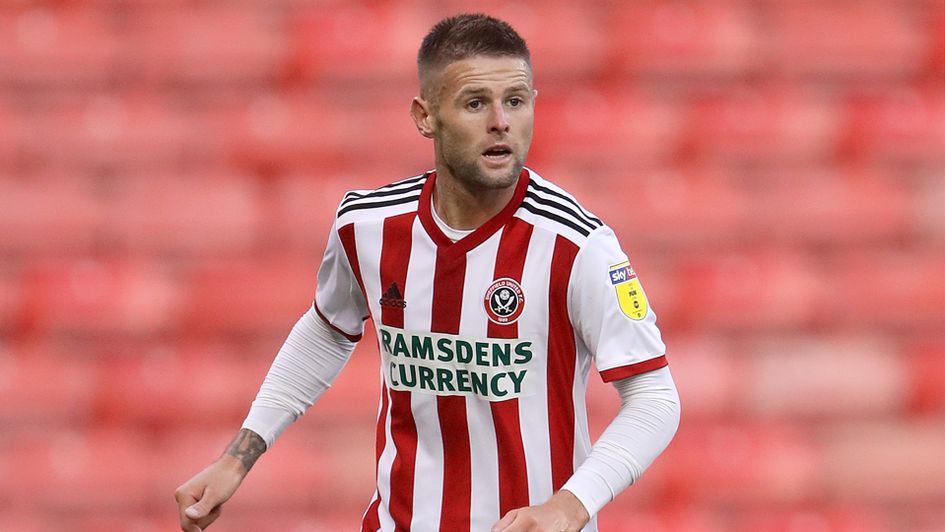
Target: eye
pixel 474 104
pixel 515 101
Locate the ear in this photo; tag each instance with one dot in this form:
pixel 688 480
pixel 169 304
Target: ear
pixel 420 111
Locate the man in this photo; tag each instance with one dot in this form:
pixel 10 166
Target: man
pixel 492 291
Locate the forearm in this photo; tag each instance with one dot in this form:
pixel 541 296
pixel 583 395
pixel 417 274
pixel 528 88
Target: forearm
pixel 307 364
pixel 644 426
pixel 245 449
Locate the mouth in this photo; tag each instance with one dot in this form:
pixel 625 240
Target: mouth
pixel 498 154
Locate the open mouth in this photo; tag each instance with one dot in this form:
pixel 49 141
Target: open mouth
pixel 497 153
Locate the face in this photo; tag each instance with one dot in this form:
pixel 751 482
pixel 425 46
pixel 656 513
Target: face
pixel 480 115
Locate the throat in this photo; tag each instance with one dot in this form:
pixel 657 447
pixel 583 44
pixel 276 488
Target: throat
pixel 465 212
pixel 450 232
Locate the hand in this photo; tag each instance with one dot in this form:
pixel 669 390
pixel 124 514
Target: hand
pixel 562 513
pixel 200 499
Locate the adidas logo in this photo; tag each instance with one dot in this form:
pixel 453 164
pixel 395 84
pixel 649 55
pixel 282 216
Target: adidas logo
pixel 393 298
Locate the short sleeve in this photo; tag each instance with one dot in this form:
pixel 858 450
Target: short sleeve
pixel 610 310
pixel 339 300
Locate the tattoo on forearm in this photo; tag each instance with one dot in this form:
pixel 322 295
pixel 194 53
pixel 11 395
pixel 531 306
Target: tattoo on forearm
pixel 247 446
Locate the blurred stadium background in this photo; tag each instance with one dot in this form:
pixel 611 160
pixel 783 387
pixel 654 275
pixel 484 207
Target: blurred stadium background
pixel 169 170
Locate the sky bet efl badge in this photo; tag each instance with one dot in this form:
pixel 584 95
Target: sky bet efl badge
pixel 504 301
pixel 629 292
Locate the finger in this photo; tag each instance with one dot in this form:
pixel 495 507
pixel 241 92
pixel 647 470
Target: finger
pixel 504 523
pixel 203 507
pixel 211 517
pixel 184 501
pixel 186 523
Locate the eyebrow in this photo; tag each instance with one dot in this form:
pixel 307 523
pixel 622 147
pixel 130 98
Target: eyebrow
pixel 475 91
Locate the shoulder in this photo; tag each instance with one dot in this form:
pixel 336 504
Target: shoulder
pixel 550 207
pixel 391 199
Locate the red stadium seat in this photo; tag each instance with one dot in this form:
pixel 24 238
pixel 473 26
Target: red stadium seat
pixel 927 389
pixel 762 291
pixel 26 521
pixel 236 43
pixel 856 40
pixel 12 302
pixel 90 296
pixel 29 226
pixel 216 213
pixel 342 42
pixel 169 171
pixel 200 385
pixel 249 295
pixel 785 125
pixel 682 38
pixel 565 38
pixel 904 125
pixel 42 388
pixel 742 464
pixel 906 290
pixel 65 471
pixel 577 124
pixel 796 377
pixel 826 205
pixel 707 374
pixel 849 446
pixel 62 45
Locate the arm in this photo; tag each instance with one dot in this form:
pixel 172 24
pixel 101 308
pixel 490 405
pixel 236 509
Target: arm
pixel 310 359
pixel 644 426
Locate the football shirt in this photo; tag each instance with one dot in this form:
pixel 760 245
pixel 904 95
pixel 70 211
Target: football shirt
pixel 486 344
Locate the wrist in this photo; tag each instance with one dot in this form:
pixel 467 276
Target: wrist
pixel 244 450
pixel 574 511
pixel 231 464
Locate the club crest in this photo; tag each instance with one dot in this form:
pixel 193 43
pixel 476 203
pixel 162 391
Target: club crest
pixel 504 301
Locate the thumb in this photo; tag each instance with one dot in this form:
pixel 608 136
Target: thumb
pixel 201 508
pixel 504 523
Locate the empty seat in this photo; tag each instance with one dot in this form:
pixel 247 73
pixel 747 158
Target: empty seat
pixel 54 471
pixel 214 213
pixel 919 477
pixel 342 43
pixel 905 124
pixel 745 464
pixel 906 289
pixel 234 43
pixel 67 44
pixel 198 384
pixel 29 225
pixel 683 38
pixel 43 388
pixel 778 123
pixel 91 296
pixel 250 295
pixel 798 377
pixel 853 40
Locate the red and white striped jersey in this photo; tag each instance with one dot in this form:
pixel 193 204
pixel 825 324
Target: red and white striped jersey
pixel 486 344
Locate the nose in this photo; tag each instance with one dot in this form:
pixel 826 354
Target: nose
pixel 498 119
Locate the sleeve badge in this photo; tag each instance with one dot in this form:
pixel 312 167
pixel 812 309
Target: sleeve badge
pixel 630 294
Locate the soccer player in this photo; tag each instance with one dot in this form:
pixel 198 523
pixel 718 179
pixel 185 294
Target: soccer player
pixel 492 291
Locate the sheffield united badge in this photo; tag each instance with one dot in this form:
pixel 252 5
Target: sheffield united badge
pixel 504 301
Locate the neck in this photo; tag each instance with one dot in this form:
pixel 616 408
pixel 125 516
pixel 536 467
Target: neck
pixel 464 209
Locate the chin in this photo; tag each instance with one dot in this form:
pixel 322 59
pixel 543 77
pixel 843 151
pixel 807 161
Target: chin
pixel 501 177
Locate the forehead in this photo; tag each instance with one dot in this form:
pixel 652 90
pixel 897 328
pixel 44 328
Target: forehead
pixel 483 72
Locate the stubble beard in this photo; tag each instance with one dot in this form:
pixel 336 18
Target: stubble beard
pixel 473 177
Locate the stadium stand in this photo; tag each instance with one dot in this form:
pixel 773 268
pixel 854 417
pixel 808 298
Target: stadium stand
pixel 775 169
